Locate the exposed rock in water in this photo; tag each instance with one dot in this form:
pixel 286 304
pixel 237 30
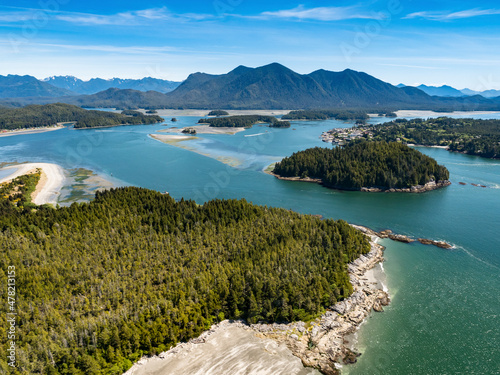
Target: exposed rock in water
pixel 462 183
pixel 441 244
pixel 350 356
pixel 400 238
pixel 384 233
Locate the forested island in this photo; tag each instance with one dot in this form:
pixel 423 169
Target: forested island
pixel 218 112
pixel 35 116
pixel 133 272
pixel 364 165
pixel 325 114
pixel 470 136
pixel 244 121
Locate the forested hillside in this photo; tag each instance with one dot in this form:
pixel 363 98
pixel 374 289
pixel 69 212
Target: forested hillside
pixel 474 137
pixel 363 164
pixel 100 284
pixel 34 116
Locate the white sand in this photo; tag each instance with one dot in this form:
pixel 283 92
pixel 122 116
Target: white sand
pixel 232 112
pixel 206 129
pixel 228 350
pixel 169 137
pixel 425 114
pixel 9 133
pixel 51 188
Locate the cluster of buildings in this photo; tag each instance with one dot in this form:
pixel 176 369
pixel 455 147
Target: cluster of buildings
pixel 340 136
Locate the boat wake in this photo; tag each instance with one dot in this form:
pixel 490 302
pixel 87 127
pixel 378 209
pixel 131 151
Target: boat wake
pixel 253 135
pixel 476 257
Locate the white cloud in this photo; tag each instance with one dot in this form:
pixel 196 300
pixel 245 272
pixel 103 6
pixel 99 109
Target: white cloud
pixel 320 14
pixel 135 17
pixel 446 16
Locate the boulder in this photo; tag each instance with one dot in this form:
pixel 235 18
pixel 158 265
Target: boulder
pixel 401 238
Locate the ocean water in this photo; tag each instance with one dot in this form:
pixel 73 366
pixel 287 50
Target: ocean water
pixel 444 316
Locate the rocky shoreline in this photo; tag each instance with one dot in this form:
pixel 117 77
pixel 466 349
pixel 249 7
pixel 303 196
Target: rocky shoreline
pixel 432 185
pixel 319 344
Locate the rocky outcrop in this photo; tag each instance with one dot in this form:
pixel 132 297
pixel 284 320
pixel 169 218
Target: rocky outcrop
pixel 432 185
pixel 321 344
pixel 441 244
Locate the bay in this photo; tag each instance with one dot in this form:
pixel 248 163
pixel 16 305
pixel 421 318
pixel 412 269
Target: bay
pixel 444 315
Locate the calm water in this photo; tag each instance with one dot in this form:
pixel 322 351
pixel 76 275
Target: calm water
pixel 444 318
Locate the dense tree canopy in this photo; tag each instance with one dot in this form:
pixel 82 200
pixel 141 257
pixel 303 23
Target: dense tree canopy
pixel 325 114
pixel 34 116
pixel 363 164
pixel 475 137
pixel 244 121
pixel 133 272
pixel 218 112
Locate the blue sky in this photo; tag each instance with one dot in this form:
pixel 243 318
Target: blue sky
pixel 413 42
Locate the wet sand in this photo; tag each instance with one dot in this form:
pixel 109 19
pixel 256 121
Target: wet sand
pixel 425 114
pixel 232 112
pixel 9 133
pixel 205 129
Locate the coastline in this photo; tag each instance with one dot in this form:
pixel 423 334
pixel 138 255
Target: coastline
pixel 232 112
pixel 45 129
pixel 432 185
pixel 51 181
pixel 319 344
pixel 206 129
pixel 424 113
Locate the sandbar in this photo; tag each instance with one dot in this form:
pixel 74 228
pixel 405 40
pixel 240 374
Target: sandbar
pixel 425 114
pixel 50 184
pixel 232 112
pixel 205 129
pixel 8 133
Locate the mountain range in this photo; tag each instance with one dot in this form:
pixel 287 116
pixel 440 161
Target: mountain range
pixel 96 85
pixel 272 86
pixel 15 86
pixel 450 91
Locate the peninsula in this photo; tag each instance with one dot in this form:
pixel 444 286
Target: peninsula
pixel 47 116
pixel 192 266
pixel 365 166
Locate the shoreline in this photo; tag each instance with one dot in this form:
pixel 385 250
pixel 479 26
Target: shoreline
pixel 203 128
pixel 51 181
pixel 432 185
pixel 320 345
pixel 43 129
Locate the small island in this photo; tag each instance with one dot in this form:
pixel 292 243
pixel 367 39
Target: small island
pixel 244 121
pixel 326 114
pixel 218 113
pixel 365 166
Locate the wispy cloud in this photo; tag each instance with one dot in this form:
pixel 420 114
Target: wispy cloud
pixel 135 17
pixel 131 17
pixel 447 16
pixel 320 14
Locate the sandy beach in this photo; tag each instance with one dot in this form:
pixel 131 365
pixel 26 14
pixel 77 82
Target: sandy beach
pixel 425 114
pixel 8 133
pixel 170 138
pixel 205 129
pixel 204 112
pixel 278 349
pixel 50 184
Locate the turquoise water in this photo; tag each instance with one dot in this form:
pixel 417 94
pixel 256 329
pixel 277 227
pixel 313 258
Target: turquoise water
pixel 444 318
